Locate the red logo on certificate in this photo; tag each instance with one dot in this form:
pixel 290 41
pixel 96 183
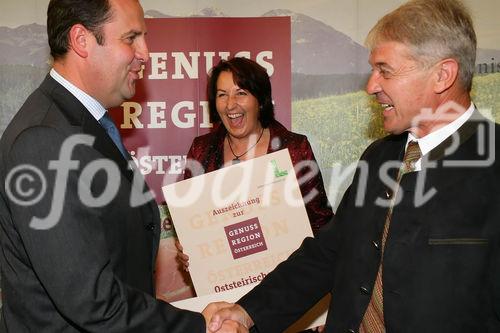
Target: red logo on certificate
pixel 245 238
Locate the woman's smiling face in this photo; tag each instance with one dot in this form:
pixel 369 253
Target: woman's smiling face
pixel 237 107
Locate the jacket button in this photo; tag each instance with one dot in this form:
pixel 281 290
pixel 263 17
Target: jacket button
pixel 351 331
pixel 364 290
pixel 150 227
pixel 376 244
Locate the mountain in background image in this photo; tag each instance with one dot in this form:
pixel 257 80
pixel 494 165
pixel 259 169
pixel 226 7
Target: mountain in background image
pixel 317 48
pixel 24 45
pixel 325 61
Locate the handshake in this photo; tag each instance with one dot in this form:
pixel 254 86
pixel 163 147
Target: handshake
pixel 223 317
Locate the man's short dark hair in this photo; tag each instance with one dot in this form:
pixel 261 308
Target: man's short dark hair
pixel 63 14
pixel 248 75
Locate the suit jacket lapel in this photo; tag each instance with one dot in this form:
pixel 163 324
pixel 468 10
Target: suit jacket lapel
pixel 464 133
pixel 459 152
pixel 394 151
pixel 79 117
pixel 82 121
pixel 105 145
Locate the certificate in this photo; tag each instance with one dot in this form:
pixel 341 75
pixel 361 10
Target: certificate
pixel 237 224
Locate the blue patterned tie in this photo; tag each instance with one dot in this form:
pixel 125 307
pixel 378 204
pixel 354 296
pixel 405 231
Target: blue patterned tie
pixel 113 133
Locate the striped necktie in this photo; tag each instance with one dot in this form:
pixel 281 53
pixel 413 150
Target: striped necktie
pixel 110 127
pixel 373 320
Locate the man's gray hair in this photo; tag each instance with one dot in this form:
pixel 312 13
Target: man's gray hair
pixel 433 30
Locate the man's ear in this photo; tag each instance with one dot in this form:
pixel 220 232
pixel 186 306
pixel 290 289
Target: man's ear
pixel 79 39
pixel 446 74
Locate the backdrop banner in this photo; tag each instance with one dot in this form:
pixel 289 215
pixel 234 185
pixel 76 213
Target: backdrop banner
pixel 170 107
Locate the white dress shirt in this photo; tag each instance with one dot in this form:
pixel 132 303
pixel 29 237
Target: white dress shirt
pixel 433 139
pixel 91 104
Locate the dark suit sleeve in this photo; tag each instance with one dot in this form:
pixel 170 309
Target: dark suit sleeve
pixel 299 282
pixel 309 273
pixel 72 258
pixel 495 284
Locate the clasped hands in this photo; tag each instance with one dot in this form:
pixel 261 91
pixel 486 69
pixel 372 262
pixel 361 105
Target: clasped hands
pixel 223 317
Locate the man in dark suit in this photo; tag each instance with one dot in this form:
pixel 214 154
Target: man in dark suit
pixel 79 231
pixel 415 249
